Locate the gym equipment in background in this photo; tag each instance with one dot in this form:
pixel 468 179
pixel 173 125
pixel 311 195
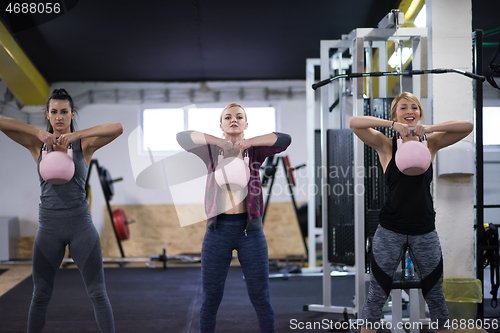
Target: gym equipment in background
pixel 107 183
pixel 490 246
pixel 121 224
pixel 340 197
pixel 57 167
pixel 493 68
pixel 118 219
pixel 484 247
pixel 270 167
pixel 398 73
pixel 164 258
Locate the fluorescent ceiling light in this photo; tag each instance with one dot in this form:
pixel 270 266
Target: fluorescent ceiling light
pixel 394 60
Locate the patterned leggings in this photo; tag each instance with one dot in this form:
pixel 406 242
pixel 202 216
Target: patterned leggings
pixel 387 252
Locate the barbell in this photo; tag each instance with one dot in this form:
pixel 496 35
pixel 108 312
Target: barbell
pixel 399 73
pixel 107 183
pixel 121 224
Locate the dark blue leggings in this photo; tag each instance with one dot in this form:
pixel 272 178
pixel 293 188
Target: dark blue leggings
pixel 216 255
pixel 57 229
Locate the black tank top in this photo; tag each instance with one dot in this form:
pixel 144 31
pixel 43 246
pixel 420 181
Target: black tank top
pixel 408 207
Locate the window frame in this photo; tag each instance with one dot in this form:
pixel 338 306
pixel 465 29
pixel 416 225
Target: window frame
pixel 143 151
pixel 487 147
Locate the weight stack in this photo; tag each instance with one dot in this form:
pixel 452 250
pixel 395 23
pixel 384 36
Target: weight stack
pixel 340 173
pixel 340 196
pixel 374 180
pixel 317 177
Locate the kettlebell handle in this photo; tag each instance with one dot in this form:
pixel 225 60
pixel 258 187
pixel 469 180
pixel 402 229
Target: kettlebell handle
pixel 221 152
pixel 411 131
pixel 46 150
pixel 221 156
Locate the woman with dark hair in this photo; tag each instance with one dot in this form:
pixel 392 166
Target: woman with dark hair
pixel 64 215
pixel 234 213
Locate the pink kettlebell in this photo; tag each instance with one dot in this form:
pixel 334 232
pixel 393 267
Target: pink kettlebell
pixel 232 171
pixel 413 158
pixel 57 167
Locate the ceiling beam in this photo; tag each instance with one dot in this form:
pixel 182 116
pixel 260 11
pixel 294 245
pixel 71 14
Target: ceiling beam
pixel 19 74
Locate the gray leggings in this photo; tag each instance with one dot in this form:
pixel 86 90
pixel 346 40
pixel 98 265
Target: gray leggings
pixel 58 228
pixel 387 252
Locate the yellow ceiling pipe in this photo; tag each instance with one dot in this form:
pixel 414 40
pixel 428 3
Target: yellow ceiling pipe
pixel 19 74
pixel 410 8
pixel 375 80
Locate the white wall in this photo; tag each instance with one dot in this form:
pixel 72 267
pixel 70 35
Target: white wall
pixel 452 99
pixel 19 194
pixel 492 164
pixel 19 189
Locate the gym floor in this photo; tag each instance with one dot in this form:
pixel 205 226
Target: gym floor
pixel 146 298
pixel 156 300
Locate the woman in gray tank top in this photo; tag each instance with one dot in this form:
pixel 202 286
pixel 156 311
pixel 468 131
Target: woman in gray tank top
pixel 64 217
pixel 402 226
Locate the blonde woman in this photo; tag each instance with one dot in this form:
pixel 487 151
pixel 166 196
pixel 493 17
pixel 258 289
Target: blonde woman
pixel 234 217
pixel 407 218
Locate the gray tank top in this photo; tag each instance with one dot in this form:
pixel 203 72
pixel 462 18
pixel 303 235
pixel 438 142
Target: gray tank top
pixel 71 194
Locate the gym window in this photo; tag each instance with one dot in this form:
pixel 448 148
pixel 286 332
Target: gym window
pixel 491 118
pixel 160 125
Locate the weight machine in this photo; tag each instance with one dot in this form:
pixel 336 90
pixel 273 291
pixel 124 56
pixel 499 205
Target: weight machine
pixel 487 242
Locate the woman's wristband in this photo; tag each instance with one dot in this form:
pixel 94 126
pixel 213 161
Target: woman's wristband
pixel 392 125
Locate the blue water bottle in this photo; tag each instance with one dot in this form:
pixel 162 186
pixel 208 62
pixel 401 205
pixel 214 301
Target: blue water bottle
pixel 409 269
